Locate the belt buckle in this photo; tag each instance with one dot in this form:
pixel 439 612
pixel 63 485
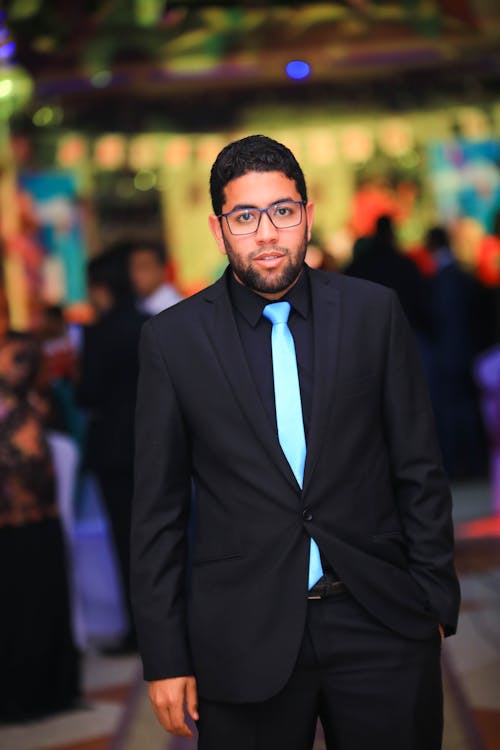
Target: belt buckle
pixel 330 589
pixel 317 592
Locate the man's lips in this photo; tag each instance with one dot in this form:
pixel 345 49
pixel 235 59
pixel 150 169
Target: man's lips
pixel 269 260
pixel 269 255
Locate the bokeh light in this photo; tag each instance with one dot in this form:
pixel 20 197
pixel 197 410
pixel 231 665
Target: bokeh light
pixel 298 70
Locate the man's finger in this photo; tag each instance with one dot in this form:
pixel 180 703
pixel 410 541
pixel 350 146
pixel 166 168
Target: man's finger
pixel 177 723
pixel 169 697
pixel 171 723
pixel 192 699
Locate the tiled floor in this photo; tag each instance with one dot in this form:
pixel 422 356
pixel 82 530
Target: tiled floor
pixel 108 687
pixel 117 716
pixel 474 653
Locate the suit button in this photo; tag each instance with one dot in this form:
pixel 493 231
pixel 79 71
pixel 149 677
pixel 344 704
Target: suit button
pixel 307 514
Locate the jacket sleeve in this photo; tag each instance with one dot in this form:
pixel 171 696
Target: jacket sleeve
pixel 420 485
pixel 160 518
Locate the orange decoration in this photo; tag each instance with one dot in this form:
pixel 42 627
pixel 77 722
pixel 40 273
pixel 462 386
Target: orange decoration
pixel 396 137
pixel 357 144
pixel 176 152
pixel 72 151
pixel 110 152
pixel 143 152
pixel 488 260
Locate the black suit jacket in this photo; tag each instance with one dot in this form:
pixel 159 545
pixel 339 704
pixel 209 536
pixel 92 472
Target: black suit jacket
pixel 374 496
pixel 107 387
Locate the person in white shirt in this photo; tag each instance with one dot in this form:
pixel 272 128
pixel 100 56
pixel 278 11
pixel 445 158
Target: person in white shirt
pixel 147 275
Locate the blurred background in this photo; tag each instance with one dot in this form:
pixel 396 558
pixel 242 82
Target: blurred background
pixel 111 114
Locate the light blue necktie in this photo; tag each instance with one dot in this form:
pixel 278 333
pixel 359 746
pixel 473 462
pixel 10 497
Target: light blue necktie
pixel 289 407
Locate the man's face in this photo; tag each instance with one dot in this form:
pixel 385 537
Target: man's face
pixel 146 272
pixel 270 260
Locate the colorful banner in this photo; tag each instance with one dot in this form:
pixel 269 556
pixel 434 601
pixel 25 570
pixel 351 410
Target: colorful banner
pixel 56 205
pixel 466 180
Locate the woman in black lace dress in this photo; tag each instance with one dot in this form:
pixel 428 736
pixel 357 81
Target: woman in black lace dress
pixel 38 660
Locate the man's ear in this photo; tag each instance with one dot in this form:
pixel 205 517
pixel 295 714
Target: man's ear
pixel 216 229
pixel 310 217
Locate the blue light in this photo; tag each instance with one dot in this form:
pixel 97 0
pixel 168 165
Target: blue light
pixel 298 69
pixel 7 50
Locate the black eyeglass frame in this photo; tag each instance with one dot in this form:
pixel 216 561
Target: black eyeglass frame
pixel 261 211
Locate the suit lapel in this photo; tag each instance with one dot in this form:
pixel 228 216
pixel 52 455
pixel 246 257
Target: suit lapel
pixel 226 342
pixel 326 321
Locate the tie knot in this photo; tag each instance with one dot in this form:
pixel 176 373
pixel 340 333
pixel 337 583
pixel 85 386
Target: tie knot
pixel 277 312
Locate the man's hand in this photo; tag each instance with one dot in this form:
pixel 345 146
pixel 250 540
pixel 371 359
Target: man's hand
pixel 441 632
pixel 170 698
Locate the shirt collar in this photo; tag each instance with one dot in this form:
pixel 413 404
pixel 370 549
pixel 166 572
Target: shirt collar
pixel 250 304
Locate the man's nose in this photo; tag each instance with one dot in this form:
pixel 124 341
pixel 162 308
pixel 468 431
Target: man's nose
pixel 266 232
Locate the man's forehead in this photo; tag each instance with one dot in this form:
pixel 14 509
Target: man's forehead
pixel 254 188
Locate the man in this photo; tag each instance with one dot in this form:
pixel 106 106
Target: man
pixel 456 300
pixel 147 274
pixel 268 634
pixel 382 262
pixel 107 390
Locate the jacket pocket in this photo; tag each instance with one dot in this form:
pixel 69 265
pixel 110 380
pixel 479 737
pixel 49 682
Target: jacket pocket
pixel 202 559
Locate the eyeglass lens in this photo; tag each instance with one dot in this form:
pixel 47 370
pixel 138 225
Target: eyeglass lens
pixel 282 215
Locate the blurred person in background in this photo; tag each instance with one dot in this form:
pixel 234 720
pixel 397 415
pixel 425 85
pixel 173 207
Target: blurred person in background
pixel 58 345
pixel 378 259
pixel 60 367
pixel 39 672
pixel 382 262
pixel 107 390
pixel 147 263
pixel 487 268
pixel 456 303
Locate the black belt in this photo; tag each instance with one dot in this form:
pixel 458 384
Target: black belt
pixel 326 587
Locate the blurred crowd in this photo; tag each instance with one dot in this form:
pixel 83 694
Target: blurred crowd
pixel 76 381
pixel 80 381
pixel 453 317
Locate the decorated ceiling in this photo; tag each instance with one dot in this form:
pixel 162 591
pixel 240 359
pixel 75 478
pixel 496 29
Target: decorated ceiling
pixel 95 50
pixel 249 40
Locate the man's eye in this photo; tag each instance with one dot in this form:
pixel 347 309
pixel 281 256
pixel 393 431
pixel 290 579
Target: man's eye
pixel 284 210
pixel 244 217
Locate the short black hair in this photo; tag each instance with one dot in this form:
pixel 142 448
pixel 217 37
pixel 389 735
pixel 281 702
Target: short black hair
pixel 437 237
pixel 110 270
pixel 155 248
pixel 255 153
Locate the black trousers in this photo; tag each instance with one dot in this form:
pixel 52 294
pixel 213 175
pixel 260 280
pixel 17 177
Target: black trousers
pixel 370 687
pixel 117 489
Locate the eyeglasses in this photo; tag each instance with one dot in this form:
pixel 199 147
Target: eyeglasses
pixel 282 215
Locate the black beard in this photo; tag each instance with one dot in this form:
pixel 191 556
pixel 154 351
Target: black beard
pixel 259 282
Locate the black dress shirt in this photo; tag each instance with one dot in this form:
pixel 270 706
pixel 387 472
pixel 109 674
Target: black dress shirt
pixel 255 335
